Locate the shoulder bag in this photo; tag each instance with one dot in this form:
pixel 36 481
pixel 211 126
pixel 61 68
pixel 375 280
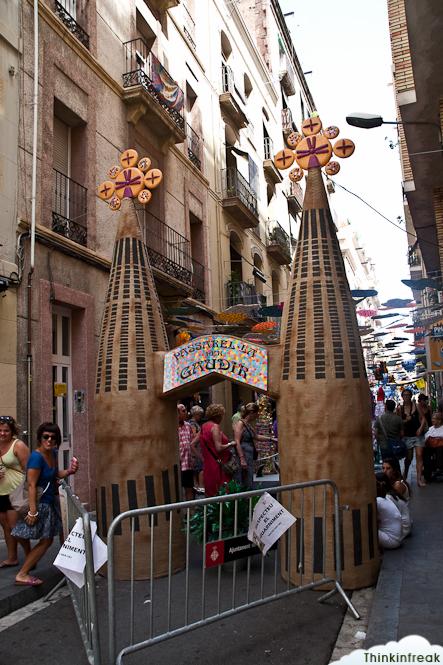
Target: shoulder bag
pixel 397 447
pixel 19 498
pixel 230 467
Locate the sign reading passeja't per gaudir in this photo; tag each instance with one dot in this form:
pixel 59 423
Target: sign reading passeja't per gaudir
pixel 231 357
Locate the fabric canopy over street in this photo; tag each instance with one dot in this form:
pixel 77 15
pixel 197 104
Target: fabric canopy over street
pixel 398 302
pixel 385 316
pixel 421 284
pixel 363 293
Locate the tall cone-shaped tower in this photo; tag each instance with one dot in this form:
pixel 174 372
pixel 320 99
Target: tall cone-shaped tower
pixel 324 406
pixel 136 431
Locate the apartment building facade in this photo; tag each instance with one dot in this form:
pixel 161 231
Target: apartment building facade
pixel 418 82
pixel 191 86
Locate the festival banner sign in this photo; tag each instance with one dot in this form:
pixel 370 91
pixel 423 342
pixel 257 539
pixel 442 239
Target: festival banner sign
pixel 229 357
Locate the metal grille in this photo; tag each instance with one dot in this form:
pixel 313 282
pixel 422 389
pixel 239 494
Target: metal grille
pixel 70 22
pixel 69 208
pixel 139 62
pixel 235 185
pixel 268 147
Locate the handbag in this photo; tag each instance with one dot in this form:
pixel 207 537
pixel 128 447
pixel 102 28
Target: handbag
pixel 434 442
pixel 397 447
pixel 230 467
pixel 19 498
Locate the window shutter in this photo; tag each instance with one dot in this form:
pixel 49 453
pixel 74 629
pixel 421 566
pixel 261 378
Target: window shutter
pixel 60 159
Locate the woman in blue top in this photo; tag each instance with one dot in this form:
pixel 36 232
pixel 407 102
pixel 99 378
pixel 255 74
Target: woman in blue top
pixel 43 519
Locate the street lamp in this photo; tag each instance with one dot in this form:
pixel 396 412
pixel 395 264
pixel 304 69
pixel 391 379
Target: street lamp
pixel 369 121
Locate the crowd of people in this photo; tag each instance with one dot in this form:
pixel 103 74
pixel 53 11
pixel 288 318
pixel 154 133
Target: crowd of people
pixel 208 459
pixel 400 430
pixel 29 503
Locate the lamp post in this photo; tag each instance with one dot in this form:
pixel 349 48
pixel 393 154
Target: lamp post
pixel 369 121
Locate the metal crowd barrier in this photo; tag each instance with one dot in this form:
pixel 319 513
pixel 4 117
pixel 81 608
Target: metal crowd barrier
pixel 84 599
pixel 143 613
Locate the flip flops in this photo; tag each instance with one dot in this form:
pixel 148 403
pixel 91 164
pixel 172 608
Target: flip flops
pixel 6 564
pixel 31 581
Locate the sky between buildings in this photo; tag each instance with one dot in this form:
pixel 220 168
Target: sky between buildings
pixel 346 45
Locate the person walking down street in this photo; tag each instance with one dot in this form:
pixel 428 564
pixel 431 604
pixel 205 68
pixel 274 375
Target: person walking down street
pixel 245 439
pixel 43 520
pixel 186 442
pixel 14 455
pixel 197 414
pixel 410 416
pixel 237 415
pixel 216 450
pixel 425 415
pixel 388 426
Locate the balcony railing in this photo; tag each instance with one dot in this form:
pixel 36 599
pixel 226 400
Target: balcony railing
pixel 194 147
pixel 278 243
pixel 227 78
pixel 143 68
pixel 268 147
pixel 242 293
pixel 65 11
pixel 198 280
pixel 189 26
pixel 170 252
pixel 414 259
pixel 288 124
pixel 235 185
pixel 69 208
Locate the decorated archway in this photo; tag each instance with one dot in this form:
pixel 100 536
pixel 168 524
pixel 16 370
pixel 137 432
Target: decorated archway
pixel 316 374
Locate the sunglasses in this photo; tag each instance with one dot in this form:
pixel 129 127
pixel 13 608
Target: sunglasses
pixel 6 419
pixel 46 437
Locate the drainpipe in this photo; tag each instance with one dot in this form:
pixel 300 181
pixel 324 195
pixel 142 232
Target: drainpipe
pixel 33 213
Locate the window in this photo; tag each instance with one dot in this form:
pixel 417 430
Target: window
pixel 61 380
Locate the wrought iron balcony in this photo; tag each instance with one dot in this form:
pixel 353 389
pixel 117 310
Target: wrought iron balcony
pixel 189 26
pixel 170 256
pixel 229 97
pixel 194 147
pixel 414 259
pixel 242 293
pixel 294 196
pixel 149 88
pixel 239 199
pixel 65 11
pixel 288 125
pixel 198 281
pixel 278 243
pixel 272 174
pixel 69 208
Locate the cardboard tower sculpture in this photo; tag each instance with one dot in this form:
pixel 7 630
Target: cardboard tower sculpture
pixel 136 431
pixel 324 399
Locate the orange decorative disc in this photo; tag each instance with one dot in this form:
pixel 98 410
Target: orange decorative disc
pixel 344 148
pixel 331 132
pixel 296 174
pixel 145 196
pixel 129 183
pixel 114 203
pixel 311 126
pixel 106 190
pixel 284 159
pixel 114 171
pixel 129 158
pixel 153 178
pixel 332 168
pixel 144 164
pixel 313 152
pixel 294 139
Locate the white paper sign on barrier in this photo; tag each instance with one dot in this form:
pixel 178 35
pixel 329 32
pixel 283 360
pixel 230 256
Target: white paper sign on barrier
pixel 71 558
pixel 269 522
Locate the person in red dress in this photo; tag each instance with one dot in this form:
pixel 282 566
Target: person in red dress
pixel 214 446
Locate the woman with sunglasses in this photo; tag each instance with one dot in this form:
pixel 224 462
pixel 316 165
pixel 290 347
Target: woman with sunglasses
pixel 13 457
pixel 42 521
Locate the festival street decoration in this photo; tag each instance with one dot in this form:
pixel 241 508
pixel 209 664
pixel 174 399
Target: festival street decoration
pixel 322 358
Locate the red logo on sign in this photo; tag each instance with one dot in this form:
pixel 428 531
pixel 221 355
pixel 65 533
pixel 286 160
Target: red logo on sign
pixel 215 553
